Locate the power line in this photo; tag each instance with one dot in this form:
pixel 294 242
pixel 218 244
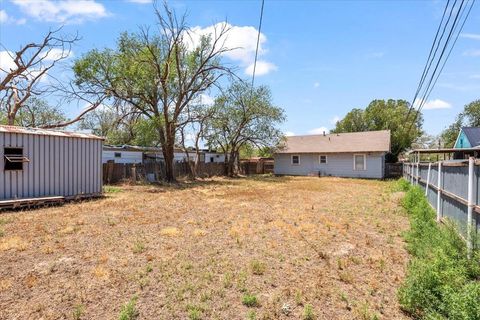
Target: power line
pixel 258 42
pixel 426 69
pixel 429 88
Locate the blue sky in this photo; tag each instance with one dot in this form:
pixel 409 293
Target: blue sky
pixel 320 58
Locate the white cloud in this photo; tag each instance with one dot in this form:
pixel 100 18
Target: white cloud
pixel 316 84
pixel 206 99
pixel 263 67
pixel 65 11
pixel 242 42
pixel 334 120
pixel 433 104
pixel 319 130
pixel 473 36
pixel 472 53
pixel 6 62
pixel 5 18
pixel 57 53
pixel 475 76
pixel 376 55
pixel 289 133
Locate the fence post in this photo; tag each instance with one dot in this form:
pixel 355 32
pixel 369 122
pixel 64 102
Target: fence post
pixel 428 178
pixel 439 190
pixel 471 165
pixel 411 174
pixel 418 174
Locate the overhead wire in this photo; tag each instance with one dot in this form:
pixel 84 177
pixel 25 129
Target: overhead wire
pixel 258 43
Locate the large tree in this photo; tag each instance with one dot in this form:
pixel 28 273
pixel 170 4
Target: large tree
pixel 385 115
pixel 21 78
pixel 244 116
pixel 470 117
pixel 157 73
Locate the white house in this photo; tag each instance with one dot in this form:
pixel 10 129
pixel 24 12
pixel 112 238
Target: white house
pixel 357 154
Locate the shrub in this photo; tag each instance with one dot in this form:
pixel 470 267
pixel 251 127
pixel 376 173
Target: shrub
pixel 441 283
pixel 129 310
pixel 250 300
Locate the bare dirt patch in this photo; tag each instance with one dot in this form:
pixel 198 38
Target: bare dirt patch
pixel 219 249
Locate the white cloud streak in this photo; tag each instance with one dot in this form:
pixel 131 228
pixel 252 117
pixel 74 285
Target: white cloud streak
pixel 319 130
pixel 433 104
pixel 473 36
pixel 65 11
pixel 5 18
pixel 472 53
pixel 242 42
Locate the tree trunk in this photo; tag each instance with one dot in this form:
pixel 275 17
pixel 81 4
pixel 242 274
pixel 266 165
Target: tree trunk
pixel 231 164
pixel 168 155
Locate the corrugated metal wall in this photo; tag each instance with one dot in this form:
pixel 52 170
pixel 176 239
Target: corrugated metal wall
pixel 59 166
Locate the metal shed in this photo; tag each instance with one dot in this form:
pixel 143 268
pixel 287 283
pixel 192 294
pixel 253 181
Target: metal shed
pixel 42 165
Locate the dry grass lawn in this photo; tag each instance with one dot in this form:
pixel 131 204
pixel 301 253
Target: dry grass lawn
pixel 196 251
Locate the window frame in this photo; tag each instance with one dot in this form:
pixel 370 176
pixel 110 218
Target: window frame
pixel 291 159
pixel 117 154
pixel 13 159
pixel 364 155
pixel 320 159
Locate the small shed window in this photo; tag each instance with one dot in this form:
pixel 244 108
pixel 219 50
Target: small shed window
pixel 118 155
pixel 359 162
pixel 14 159
pixel 322 159
pixel 296 160
pixel 211 159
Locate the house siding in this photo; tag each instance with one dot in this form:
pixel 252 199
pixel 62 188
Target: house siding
pixel 59 166
pixel 462 141
pixel 338 164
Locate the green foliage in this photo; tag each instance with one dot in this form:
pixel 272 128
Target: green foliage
pixel 250 300
pixel 244 117
pixel 35 113
pixel 308 313
pixel 384 115
pixel 401 185
pixel 441 282
pixel 470 117
pixel 194 312
pixel 111 189
pixel 129 310
pixel 78 312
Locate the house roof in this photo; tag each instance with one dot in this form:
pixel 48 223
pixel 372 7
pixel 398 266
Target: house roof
pixel 473 135
pixel 46 132
pixel 368 141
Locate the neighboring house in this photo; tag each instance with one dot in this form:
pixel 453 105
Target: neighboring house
pixel 137 154
pixel 357 154
pixel 122 154
pixel 39 163
pixel 468 137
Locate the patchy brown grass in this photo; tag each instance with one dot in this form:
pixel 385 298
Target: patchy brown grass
pixel 201 249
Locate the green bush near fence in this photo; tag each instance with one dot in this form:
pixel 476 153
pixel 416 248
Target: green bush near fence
pixel 441 283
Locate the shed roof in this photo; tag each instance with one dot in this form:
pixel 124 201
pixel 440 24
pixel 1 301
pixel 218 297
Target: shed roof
pixel 368 141
pixel 46 132
pixel 473 135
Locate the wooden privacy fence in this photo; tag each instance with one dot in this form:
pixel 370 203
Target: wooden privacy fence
pixel 155 171
pixel 453 190
pixel 393 170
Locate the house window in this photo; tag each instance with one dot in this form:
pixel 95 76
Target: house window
pixel 118 155
pixel 359 162
pixel 322 159
pixel 212 159
pixel 14 159
pixel 295 160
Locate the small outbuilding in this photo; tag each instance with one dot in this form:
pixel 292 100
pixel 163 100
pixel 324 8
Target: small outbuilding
pixel 356 155
pixel 38 165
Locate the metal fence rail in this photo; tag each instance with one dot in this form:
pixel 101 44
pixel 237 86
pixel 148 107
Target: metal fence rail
pixel 452 189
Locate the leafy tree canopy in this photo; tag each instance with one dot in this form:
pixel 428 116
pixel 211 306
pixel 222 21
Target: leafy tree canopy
pixel 470 117
pixel 385 115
